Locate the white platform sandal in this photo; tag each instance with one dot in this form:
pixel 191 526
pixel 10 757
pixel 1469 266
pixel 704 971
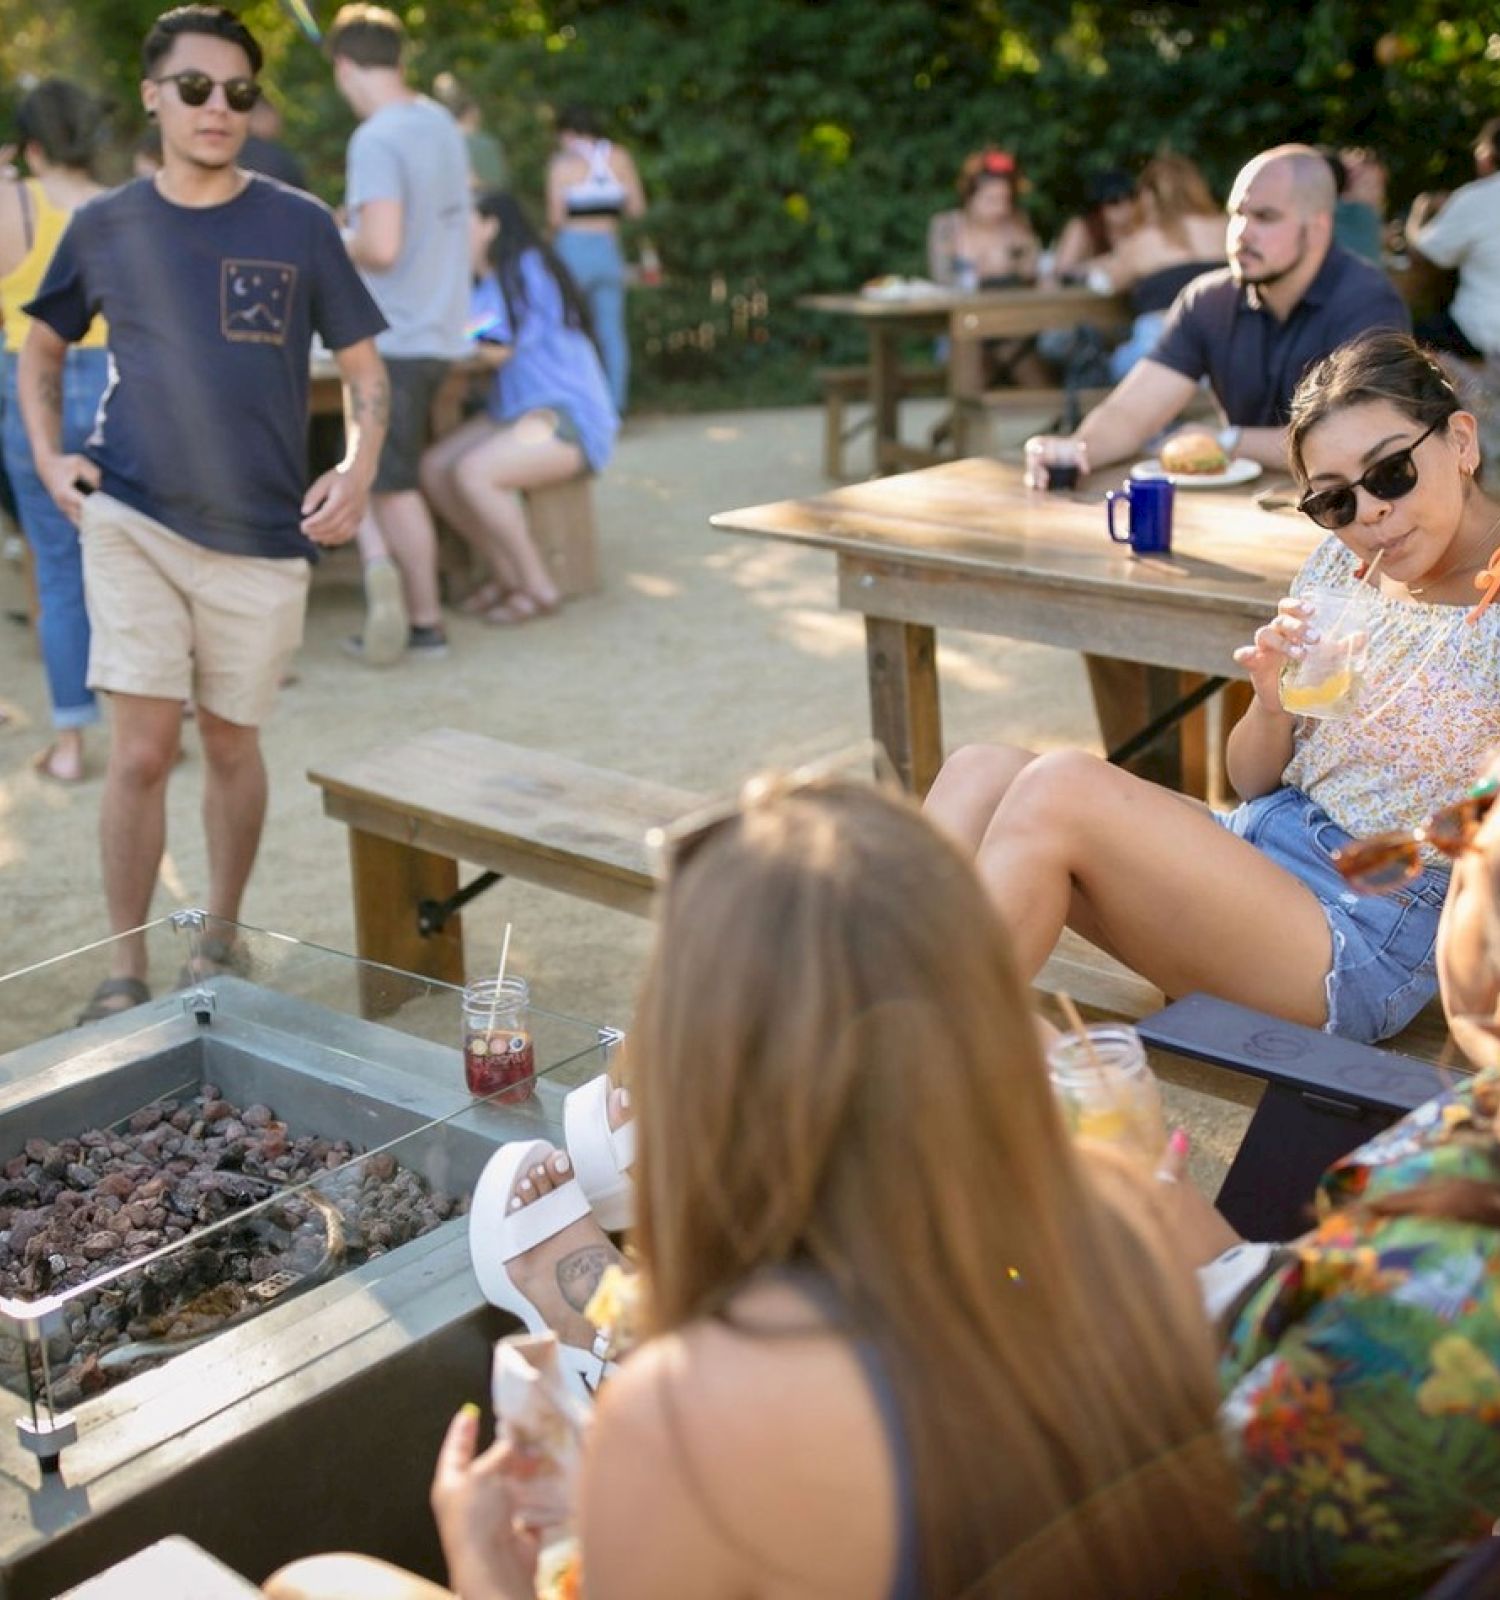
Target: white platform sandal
pixel 497 1235
pixel 602 1156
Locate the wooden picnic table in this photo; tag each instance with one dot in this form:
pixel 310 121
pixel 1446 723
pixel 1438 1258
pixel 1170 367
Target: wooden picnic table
pixel 968 319
pixel 326 393
pixel 967 545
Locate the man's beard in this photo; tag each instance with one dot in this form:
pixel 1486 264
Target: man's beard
pixel 1277 274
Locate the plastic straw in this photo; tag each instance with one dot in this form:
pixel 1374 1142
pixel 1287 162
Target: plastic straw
pixel 489 1027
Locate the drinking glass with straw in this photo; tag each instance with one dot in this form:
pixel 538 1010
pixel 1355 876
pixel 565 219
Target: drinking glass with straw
pixel 1327 681
pixel 1104 1086
pixel 499 1057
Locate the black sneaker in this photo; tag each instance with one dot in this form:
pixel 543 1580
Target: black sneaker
pixel 429 643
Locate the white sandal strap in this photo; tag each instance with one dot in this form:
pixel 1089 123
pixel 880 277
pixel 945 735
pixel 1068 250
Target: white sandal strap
pixel 600 1154
pixel 540 1220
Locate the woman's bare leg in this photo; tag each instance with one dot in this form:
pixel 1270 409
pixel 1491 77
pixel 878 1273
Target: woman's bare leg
pixel 1152 877
pixel 968 790
pixel 440 485
pixel 526 455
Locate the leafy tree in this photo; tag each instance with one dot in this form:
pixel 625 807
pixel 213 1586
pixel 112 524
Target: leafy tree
pixel 790 145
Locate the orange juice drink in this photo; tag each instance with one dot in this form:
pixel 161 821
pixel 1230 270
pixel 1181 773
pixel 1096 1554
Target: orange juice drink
pixel 1107 1091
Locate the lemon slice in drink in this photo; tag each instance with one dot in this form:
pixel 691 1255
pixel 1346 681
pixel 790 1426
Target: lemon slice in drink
pixel 1112 1123
pixel 1318 696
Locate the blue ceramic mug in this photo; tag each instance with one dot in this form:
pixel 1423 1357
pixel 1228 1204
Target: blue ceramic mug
pixel 1150 504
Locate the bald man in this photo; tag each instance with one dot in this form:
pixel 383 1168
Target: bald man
pixel 1288 297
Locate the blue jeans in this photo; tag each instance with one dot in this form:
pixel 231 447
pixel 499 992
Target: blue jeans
pixel 598 269
pixel 55 553
pixel 1384 962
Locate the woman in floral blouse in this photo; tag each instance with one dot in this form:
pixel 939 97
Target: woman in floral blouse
pixel 1362 1374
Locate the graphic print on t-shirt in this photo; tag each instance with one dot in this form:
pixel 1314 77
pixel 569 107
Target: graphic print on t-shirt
pixel 255 299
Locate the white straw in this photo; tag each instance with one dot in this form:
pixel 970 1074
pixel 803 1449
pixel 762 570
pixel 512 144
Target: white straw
pixel 489 1027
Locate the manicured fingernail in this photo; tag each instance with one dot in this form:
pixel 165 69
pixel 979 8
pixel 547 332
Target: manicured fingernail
pixel 525 1183
pixel 515 1202
pixel 469 1409
pixel 1178 1143
pixel 1296 652
pixel 560 1163
pixel 1311 635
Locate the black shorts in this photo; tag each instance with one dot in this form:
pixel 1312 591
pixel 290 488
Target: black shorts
pixel 415 381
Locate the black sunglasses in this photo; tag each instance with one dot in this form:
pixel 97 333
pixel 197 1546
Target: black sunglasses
pixel 195 88
pixel 1389 478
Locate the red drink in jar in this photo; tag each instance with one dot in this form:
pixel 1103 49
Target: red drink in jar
pixel 500 1064
pixel 499 1057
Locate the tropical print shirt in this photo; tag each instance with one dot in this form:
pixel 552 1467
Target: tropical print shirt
pixel 1362 1378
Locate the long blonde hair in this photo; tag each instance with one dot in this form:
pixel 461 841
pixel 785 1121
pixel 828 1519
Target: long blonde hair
pixel 1176 189
pixel 834 1063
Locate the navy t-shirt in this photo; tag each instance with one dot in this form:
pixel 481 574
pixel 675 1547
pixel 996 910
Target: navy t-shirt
pixel 1219 330
pixel 211 314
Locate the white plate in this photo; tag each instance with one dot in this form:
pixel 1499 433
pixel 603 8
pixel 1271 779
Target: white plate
pixel 903 289
pixel 1240 470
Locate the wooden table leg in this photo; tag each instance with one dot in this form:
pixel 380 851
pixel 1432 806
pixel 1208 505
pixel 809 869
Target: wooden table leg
pixel 905 711
pixel 390 879
pixel 885 394
pixel 1127 696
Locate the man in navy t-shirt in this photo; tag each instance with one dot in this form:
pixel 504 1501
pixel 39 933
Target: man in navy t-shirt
pixel 1288 297
pixel 192 500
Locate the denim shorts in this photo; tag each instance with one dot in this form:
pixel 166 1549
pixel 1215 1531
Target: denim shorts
pixel 1384 945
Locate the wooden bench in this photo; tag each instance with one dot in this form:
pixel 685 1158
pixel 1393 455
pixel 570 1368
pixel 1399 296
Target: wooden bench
pixel 846 386
pixel 418 806
pixel 561 520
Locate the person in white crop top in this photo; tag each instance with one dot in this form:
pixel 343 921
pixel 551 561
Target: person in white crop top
pixel 1252 907
pixel 591 184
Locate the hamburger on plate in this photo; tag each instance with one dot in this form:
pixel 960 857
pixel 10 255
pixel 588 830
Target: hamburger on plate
pixel 1193 453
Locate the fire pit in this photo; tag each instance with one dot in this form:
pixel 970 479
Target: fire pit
pixel 233 1261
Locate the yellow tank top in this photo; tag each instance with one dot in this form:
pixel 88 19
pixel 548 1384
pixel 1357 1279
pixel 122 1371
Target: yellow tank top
pixel 21 285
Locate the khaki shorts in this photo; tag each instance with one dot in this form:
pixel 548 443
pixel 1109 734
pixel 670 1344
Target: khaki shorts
pixel 177 621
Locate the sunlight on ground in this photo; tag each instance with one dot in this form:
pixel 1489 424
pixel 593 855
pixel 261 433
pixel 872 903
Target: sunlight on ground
pixel 653 587
pixel 721 434
pixel 959 666
pixel 821 633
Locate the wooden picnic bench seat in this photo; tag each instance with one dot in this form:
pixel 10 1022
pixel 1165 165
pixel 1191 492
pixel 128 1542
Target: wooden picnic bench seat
pixel 846 386
pixel 419 805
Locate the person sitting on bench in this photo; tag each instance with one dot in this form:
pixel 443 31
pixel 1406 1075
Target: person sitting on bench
pixel 1250 907
pixel 548 419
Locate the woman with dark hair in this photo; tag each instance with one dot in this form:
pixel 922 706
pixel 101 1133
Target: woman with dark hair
pixel 1110 216
pixel 1179 236
pixel 58 127
pixel 549 417
pixel 591 183
pixel 1251 906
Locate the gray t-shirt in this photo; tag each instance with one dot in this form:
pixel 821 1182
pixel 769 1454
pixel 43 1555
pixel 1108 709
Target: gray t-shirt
pixel 413 151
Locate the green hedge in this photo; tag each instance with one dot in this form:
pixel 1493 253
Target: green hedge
pixel 792 145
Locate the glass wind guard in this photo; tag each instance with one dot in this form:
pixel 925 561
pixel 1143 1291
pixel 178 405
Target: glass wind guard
pixel 279 1127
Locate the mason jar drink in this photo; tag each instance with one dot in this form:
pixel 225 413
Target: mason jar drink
pixel 1107 1091
pixel 499 1060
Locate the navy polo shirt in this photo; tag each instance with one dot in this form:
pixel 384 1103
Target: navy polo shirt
pixel 211 313
pixel 1218 329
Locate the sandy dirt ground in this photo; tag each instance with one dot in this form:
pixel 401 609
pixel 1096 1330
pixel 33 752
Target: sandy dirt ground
pixel 706 656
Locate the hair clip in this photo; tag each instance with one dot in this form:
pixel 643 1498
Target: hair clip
pixel 1489 582
pixel 998 161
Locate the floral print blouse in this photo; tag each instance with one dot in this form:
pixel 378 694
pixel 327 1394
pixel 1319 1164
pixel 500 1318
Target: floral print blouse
pixel 1362 1377
pixel 1432 719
